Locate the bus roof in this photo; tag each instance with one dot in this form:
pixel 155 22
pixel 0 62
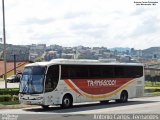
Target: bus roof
pixel 80 62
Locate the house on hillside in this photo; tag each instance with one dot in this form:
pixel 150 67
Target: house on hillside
pixel 21 53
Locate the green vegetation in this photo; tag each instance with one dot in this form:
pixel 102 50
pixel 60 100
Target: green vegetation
pixel 152 84
pixel 38 59
pixel 9 96
pixel 9 103
pixel 152 87
pixel 9 91
pixel 155 93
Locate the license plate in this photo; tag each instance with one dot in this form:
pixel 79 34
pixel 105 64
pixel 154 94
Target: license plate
pixel 28 102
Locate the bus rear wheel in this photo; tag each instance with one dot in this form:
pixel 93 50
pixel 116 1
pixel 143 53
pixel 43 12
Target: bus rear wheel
pixel 123 97
pixel 67 101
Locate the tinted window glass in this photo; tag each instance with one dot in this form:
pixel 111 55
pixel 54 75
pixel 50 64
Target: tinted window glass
pixel 52 78
pixel 100 71
pixel 82 71
pixel 108 71
pixel 95 71
pixel 119 71
pixel 134 71
pixel 74 71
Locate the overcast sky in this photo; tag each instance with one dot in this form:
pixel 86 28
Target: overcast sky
pixel 108 23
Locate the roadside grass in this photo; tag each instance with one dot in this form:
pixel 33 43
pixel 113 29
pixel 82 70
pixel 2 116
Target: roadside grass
pixel 152 84
pixel 155 93
pixel 152 88
pixel 158 87
pixel 9 96
pixel 9 103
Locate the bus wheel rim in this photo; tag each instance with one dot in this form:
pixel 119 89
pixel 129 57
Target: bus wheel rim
pixel 66 102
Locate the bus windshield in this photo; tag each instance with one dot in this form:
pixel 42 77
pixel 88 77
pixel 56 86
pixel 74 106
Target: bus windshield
pixel 32 81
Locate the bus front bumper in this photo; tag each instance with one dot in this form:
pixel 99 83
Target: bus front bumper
pixel 31 100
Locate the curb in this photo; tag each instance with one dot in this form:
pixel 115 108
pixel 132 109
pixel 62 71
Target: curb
pixel 150 95
pixel 17 106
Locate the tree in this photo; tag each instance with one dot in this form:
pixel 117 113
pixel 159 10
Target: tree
pixel 38 59
pixel 81 56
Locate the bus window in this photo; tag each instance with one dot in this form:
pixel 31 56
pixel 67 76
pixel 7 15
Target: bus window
pixel 119 71
pixel 82 72
pixel 52 78
pixel 134 71
pixel 74 72
pixel 95 71
pixel 107 71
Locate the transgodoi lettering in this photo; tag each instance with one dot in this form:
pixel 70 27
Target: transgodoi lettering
pixel 101 82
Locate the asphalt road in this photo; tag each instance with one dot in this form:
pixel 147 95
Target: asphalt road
pixel 87 111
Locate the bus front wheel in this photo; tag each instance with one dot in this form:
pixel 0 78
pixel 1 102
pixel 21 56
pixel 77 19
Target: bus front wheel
pixel 104 101
pixel 45 106
pixel 67 101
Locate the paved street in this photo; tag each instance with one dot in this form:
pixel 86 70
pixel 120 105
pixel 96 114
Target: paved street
pixel 145 105
pixel 83 111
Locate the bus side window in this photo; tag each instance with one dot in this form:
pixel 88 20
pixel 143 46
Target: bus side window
pixel 49 84
pixel 52 78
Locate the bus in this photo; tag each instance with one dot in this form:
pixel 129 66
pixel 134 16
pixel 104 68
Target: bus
pixel 67 81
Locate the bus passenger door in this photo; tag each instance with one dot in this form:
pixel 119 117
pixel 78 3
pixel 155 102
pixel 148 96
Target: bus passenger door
pixel 51 83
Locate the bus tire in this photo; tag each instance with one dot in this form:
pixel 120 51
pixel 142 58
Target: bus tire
pixel 67 101
pixel 123 97
pixel 45 106
pixel 104 101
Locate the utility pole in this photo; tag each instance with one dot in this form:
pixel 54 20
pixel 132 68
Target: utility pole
pixel 4 39
pixel 14 56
